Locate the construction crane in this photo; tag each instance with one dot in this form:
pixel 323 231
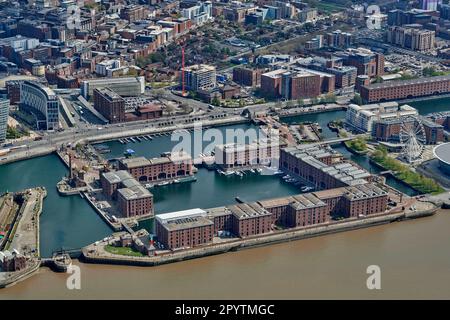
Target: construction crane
pixel 183 92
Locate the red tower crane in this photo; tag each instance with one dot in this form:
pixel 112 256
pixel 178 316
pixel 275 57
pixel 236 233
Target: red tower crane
pixel 182 71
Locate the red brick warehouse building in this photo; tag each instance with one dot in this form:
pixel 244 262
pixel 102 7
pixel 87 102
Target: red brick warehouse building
pixel 196 227
pixel 187 228
pixel 406 89
pixel 322 167
pixel 167 167
pixel 132 199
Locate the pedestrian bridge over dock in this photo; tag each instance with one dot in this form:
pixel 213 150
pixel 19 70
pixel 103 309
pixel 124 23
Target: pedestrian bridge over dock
pixel 127 228
pixel 335 141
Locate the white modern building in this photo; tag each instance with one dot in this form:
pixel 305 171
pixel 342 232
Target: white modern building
pixel 42 103
pixel 200 77
pixel 19 43
pixel 199 13
pixel 363 117
pixel 108 68
pixel 127 86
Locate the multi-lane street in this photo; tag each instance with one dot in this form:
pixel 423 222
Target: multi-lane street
pixel 52 140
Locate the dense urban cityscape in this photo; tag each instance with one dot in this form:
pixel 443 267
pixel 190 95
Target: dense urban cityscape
pixel 149 132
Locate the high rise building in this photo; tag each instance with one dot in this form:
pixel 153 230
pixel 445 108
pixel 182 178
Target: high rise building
pixel 366 61
pixel 4 111
pixel 247 77
pixel 444 10
pixel 110 105
pixel 301 84
pixel 298 83
pixel 200 77
pixel 198 13
pixel 430 5
pixel 339 39
pixel 412 38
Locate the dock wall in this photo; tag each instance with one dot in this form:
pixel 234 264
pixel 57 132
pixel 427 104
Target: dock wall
pixel 261 240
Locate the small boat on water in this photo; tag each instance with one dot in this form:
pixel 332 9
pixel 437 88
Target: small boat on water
pixel 101 148
pixel 186 179
pixel 306 189
pixel 164 183
pixel 238 199
pixel 228 173
pixel 129 153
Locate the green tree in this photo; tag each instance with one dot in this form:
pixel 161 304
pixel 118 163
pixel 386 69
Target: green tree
pixel 431 72
pixel 357 99
pixel 378 79
pixel 215 101
pixel 290 104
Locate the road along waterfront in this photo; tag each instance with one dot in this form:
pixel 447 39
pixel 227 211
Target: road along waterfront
pixel 406 253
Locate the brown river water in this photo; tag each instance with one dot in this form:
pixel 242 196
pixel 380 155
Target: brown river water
pixel 414 257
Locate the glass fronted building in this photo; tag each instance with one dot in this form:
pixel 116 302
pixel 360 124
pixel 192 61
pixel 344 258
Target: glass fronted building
pixel 42 103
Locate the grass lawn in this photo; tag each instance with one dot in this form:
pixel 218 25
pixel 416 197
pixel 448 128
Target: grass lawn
pixel 329 7
pixel 359 145
pixel 159 85
pixel 124 251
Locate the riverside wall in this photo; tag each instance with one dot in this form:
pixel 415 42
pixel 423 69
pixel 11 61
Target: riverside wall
pixel 8 279
pixel 257 241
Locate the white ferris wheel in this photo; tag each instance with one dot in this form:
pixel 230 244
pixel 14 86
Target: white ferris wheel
pixel 412 137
